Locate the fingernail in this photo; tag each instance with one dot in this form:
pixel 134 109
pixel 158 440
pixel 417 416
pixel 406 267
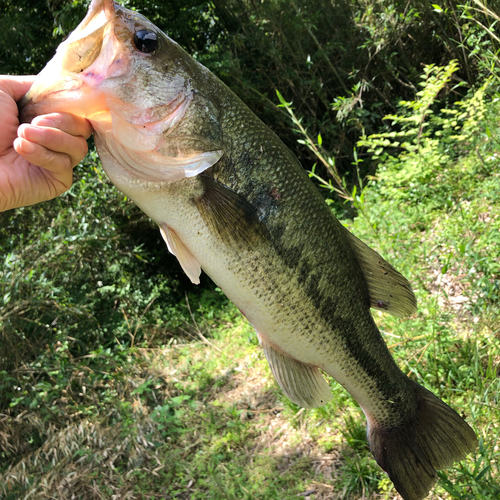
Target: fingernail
pixel 44 122
pixel 28 147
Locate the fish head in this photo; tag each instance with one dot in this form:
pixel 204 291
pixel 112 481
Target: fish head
pixel 150 104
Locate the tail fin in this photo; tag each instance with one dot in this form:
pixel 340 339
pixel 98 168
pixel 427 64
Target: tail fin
pixel 432 438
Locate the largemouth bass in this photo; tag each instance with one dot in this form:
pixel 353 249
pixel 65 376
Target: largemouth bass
pixel 230 199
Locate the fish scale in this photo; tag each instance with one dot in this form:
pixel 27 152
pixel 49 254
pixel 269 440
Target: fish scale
pixel 302 240
pixel 232 200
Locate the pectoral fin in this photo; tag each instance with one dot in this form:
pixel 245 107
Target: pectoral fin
pixel 389 290
pixel 303 384
pixel 229 215
pixel 186 259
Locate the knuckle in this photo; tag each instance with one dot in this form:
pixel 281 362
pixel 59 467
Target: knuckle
pixel 80 152
pixel 57 162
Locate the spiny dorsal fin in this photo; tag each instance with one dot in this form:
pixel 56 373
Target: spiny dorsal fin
pixel 389 290
pixel 302 384
pixel 186 259
pixel 229 215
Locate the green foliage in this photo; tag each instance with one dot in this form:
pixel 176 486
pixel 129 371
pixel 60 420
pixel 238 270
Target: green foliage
pixel 478 483
pixel 425 139
pixel 169 416
pixel 343 64
pixel 26 36
pixel 83 284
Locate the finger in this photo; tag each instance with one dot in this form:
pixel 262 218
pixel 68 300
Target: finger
pixel 55 140
pixel 59 164
pixel 66 122
pixel 53 178
pixel 24 147
pixel 16 86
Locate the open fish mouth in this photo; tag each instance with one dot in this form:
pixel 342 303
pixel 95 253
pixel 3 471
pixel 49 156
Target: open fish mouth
pixel 100 72
pixel 80 77
pixel 69 80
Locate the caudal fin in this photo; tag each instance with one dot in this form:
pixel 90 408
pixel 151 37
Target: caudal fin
pixel 433 438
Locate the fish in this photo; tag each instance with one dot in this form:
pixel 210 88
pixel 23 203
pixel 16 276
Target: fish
pixel 232 200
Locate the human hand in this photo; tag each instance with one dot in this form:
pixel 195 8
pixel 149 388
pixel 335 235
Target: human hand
pixel 37 159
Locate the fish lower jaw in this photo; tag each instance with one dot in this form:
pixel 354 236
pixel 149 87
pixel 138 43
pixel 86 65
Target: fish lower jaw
pixel 130 183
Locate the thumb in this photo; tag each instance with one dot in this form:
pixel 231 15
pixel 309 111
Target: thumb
pixel 16 86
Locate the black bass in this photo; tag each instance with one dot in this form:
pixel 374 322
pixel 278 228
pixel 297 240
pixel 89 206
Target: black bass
pixel 230 199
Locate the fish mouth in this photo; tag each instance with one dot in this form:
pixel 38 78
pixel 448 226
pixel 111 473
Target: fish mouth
pixel 79 79
pixel 101 74
pixel 65 84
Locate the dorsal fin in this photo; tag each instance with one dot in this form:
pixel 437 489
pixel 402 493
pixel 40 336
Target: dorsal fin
pixel 389 290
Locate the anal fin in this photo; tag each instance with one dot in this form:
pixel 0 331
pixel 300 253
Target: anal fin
pixel 186 259
pixel 302 384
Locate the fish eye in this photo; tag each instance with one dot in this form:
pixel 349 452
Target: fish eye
pixel 145 41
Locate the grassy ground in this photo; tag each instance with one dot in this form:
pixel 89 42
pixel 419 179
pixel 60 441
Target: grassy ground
pixel 201 416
